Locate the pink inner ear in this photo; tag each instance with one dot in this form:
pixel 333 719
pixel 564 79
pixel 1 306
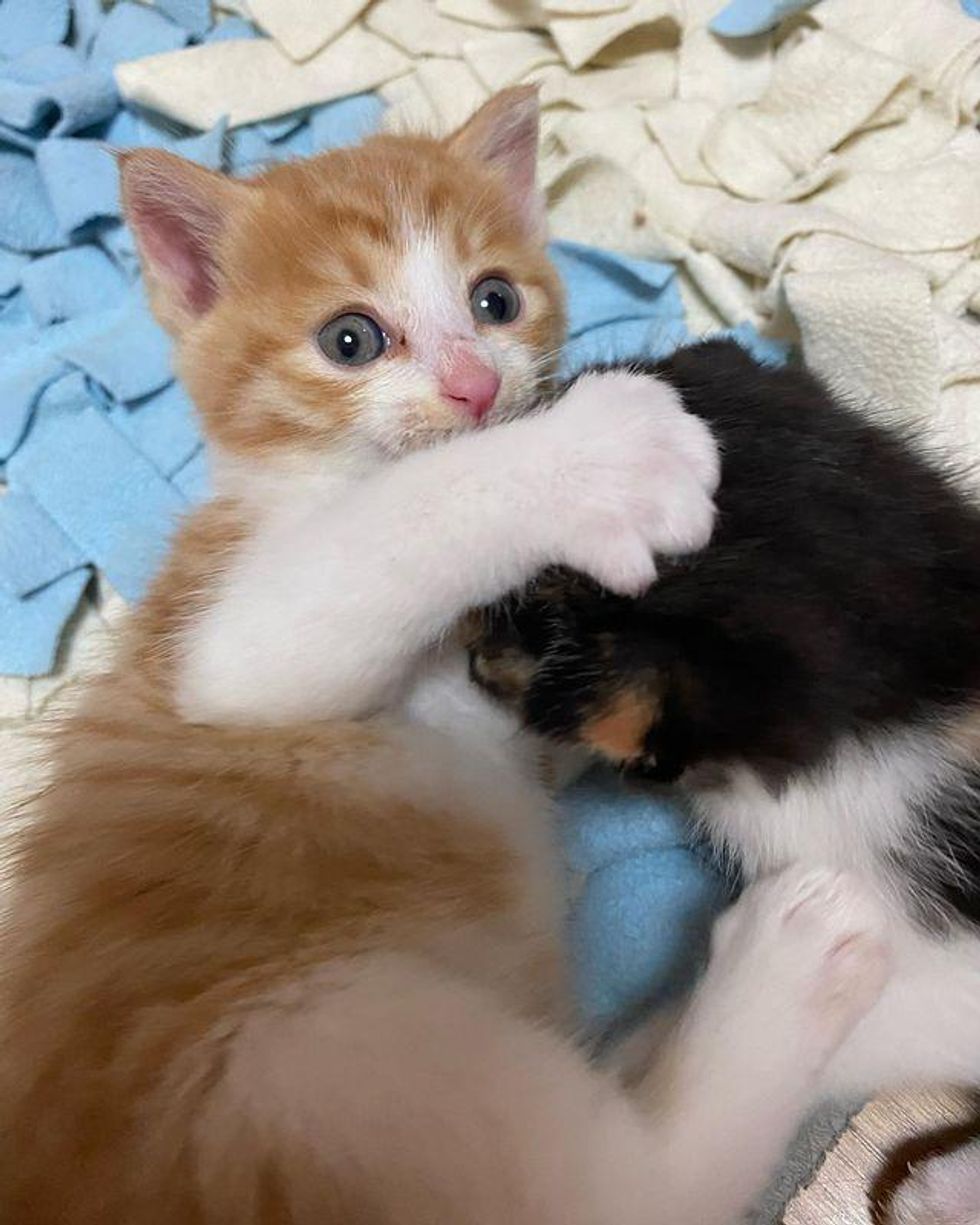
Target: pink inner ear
pixel 514 146
pixel 518 153
pixel 177 236
pixel 504 133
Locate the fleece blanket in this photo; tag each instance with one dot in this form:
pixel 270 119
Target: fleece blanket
pixel 793 174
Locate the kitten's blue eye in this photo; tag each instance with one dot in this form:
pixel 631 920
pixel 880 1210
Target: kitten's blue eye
pixel 495 300
pixel 352 340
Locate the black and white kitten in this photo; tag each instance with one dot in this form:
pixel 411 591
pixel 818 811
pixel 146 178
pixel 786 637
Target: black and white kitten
pixel 811 679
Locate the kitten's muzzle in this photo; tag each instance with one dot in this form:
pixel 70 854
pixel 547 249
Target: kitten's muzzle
pixel 469 384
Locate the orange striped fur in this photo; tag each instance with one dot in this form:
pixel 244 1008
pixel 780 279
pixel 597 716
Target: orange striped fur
pixel 176 879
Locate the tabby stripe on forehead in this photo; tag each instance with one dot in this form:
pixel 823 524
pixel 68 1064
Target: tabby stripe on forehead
pixel 356 264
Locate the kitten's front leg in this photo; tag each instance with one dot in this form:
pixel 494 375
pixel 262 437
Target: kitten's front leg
pixel 325 616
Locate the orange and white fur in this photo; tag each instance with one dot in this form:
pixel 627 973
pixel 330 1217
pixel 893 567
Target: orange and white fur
pixel 282 943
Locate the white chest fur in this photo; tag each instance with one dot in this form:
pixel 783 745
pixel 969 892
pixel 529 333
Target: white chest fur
pixel 851 812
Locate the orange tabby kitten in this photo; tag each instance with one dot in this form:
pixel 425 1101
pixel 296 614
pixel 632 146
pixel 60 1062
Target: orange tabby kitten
pixel 282 944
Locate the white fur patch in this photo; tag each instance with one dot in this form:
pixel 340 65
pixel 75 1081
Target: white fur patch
pixel 849 812
pixel 814 942
pixel 854 813
pixel 328 607
pixel 432 292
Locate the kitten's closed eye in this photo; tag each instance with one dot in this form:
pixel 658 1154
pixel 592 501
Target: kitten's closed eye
pixel 566 697
pixel 540 657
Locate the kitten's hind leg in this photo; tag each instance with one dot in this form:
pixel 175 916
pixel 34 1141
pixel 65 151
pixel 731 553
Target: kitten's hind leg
pixel 796 963
pixel 944 1190
pixel 387 1089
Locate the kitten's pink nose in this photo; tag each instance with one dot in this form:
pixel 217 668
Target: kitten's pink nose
pixel 470 384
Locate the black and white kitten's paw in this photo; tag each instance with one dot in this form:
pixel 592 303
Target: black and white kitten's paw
pixel 802 956
pixel 943 1190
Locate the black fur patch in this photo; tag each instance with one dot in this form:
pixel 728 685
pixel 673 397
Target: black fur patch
pixel 840 595
pixel 947 868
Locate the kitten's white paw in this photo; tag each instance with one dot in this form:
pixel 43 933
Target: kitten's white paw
pixel 941 1191
pixel 639 473
pixel 810 945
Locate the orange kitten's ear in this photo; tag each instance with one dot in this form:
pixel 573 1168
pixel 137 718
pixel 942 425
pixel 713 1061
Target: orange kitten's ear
pixel 504 133
pixel 178 213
